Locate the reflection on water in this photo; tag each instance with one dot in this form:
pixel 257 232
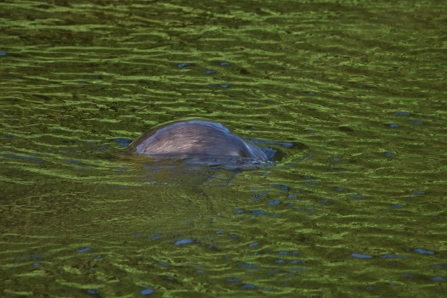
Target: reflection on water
pixel 358 210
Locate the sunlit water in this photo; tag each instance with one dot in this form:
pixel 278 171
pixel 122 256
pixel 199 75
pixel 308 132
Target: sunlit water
pixel 358 208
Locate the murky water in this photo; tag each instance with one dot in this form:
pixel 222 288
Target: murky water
pixel 359 209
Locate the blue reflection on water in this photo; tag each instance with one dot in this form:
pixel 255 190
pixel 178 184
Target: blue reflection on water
pixel 360 256
pixel 123 142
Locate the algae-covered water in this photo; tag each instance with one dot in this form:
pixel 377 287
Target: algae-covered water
pixel 351 95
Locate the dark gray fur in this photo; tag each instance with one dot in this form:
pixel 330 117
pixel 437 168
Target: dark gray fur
pixel 195 137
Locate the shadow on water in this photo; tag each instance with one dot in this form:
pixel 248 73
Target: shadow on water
pixel 93 189
pixel 118 191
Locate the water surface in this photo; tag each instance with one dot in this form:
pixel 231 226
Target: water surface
pixel 359 210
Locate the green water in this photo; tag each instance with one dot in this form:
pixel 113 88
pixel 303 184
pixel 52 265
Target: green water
pixel 358 210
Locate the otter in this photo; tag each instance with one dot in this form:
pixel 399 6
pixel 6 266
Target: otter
pixel 198 141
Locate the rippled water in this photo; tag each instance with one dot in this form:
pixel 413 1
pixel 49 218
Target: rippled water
pixel 359 209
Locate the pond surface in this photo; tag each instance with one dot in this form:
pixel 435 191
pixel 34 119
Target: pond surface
pixel 359 210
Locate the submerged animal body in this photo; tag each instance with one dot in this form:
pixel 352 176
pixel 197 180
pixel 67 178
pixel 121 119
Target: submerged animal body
pixel 198 140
